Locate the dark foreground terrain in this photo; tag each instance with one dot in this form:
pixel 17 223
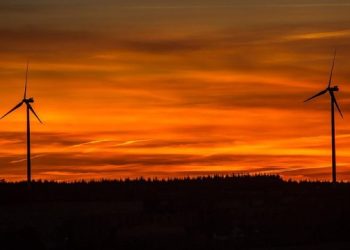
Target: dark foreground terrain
pixel 236 212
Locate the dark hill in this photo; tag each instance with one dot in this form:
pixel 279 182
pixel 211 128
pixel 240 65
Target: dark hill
pixel 232 212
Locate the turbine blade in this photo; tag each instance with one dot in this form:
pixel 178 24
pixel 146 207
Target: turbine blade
pixel 16 107
pixel 318 94
pixel 26 82
pixel 331 75
pixel 336 104
pixel 31 109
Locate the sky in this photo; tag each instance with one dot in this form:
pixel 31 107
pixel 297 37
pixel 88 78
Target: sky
pixel 174 88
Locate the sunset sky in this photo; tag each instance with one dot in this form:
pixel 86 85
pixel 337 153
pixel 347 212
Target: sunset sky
pixel 169 88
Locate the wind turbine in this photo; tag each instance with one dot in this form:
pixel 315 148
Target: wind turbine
pixel 331 89
pixel 27 102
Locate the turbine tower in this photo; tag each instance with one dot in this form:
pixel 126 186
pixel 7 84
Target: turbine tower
pixel 29 109
pixel 331 89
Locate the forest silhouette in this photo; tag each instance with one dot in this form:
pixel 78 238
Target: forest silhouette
pixel 211 212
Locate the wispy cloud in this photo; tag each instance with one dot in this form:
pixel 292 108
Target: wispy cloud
pixel 312 5
pixel 90 143
pixel 237 4
pixel 126 143
pixel 25 159
pixel 318 35
pixel 80 145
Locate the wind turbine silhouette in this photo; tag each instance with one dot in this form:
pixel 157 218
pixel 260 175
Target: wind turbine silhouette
pixel 331 89
pixel 27 101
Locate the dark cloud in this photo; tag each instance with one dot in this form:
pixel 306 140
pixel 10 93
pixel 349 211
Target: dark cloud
pixel 141 161
pixel 247 40
pixel 43 138
pixel 144 162
pixel 165 45
pixel 16 8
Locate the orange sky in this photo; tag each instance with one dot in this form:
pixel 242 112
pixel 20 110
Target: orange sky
pixel 174 88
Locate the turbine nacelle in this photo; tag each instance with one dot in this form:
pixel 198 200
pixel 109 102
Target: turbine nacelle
pixel 29 100
pixel 335 88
